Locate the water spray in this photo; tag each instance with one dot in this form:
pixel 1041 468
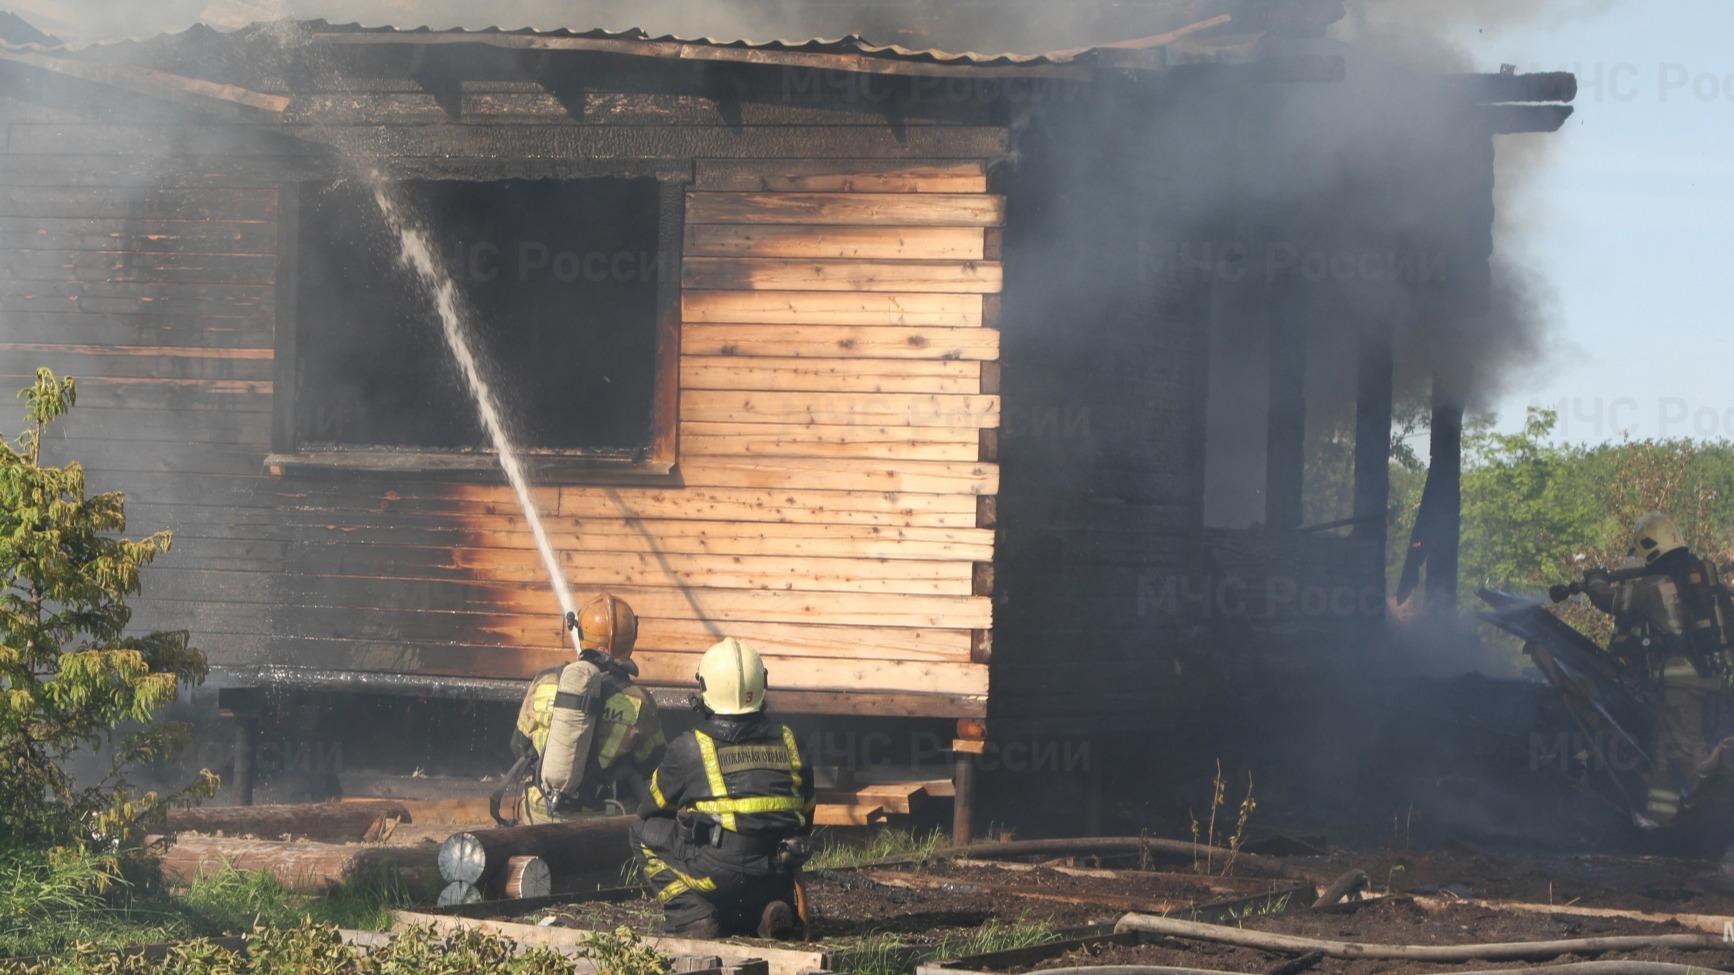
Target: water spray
pixel 416 255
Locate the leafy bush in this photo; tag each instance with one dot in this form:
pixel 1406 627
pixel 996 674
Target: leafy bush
pixel 69 676
pixel 622 953
pixel 315 949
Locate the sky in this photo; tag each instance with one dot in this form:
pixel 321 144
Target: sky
pixel 1630 220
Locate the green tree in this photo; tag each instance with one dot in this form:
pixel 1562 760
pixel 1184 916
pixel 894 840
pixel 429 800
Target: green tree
pixel 70 679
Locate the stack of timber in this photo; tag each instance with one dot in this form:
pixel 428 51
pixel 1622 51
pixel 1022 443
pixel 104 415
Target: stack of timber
pixel 838 398
pixel 525 861
pixel 872 805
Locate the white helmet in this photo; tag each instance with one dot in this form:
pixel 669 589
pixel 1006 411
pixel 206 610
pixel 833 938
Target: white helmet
pixel 1655 536
pixel 731 678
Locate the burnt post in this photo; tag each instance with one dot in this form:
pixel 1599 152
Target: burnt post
pixel 1445 462
pixel 971 741
pixel 1285 445
pixel 241 705
pixel 1373 409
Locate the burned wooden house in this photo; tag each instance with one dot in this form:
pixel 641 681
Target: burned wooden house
pixel 909 367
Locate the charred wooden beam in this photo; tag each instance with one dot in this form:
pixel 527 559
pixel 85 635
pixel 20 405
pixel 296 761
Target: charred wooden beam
pixel 1552 86
pixel 1373 410
pixel 1445 462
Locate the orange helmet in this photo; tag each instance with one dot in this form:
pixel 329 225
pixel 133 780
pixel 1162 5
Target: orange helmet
pixel 608 624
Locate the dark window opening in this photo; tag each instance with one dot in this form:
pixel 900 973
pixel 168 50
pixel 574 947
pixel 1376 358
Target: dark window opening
pixel 559 280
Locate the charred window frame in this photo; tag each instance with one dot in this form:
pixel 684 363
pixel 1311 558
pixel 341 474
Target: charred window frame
pixel 654 458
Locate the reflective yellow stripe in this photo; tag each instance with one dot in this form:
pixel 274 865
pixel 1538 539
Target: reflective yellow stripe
pixel 681 883
pixel 656 792
pixel 795 770
pixel 714 774
pixel 727 809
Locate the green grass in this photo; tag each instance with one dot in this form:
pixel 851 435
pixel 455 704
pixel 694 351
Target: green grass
pixel 836 853
pixel 49 903
pixel 889 954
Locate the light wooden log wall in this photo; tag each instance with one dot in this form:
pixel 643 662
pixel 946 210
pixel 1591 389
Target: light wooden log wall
pixel 837 422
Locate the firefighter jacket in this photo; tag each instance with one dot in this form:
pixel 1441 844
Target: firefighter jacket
pixel 1679 612
pixel 743 774
pixel 588 724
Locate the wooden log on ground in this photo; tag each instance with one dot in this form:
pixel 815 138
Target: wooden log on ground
pixel 335 822
pixel 526 876
pixel 1284 944
pixel 481 856
pixel 300 866
pixel 457 892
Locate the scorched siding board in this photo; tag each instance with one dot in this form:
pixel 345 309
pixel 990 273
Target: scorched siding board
pixel 825 504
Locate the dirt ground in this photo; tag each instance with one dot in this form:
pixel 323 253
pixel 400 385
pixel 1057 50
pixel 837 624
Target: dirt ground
pixel 1651 884
pixel 1395 922
pixel 949 900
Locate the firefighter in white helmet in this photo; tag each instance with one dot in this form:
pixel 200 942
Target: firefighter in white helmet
pixel 1671 615
pixel 585 733
pixel 724 832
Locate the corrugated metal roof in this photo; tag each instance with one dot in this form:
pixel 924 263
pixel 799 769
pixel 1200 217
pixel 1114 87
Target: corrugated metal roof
pixel 851 44
pixel 851 52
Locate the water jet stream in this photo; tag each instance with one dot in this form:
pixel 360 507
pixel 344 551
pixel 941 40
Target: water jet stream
pixel 417 256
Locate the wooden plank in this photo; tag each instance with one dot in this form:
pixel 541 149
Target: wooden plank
pixel 841 341
pixel 768 274
pixel 238 427
pixel 525 660
pixel 136 329
pixel 888 409
pixel 172 394
pixel 827 308
pixel 842 243
pixel 231 101
pixel 958 444
pixel 718 538
pixel 149 235
pixel 832 375
pixel 519 142
pixel 914 476
pixel 506 529
pixel 826 176
pixel 869 209
pixel 199 587
pixel 142 202
pixel 140 362
pixel 129 298
pixel 126 266
pixel 587 569
pixel 856 814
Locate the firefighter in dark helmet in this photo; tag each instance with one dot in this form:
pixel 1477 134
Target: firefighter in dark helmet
pixel 585 733
pixel 724 833
pixel 1671 621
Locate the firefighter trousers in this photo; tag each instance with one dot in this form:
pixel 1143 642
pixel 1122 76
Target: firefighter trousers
pixel 731 883
pixel 1678 746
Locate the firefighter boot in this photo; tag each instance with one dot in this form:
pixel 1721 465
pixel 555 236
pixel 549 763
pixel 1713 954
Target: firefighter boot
pixel 778 922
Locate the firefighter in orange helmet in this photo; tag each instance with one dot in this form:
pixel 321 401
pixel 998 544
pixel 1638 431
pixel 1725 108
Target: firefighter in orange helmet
pixel 586 734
